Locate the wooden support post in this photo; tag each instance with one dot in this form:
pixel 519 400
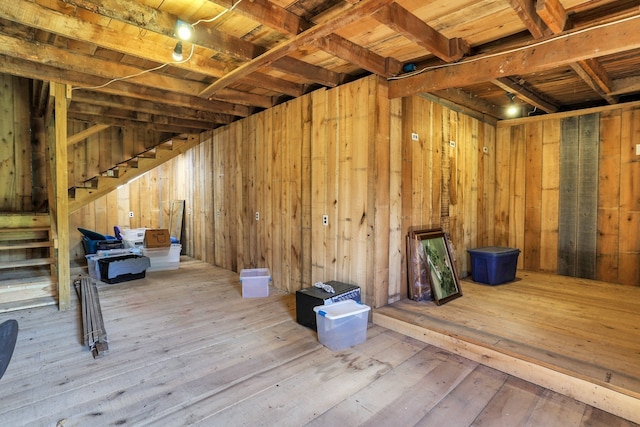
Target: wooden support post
pixel 60 202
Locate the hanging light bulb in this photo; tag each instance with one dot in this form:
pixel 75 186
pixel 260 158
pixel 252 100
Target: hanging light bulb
pixel 177 52
pixel 512 109
pixel 183 30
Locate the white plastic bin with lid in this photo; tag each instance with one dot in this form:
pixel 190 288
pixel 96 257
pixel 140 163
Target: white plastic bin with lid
pixel 92 266
pixel 132 237
pixel 342 324
pixel 255 282
pixel 163 259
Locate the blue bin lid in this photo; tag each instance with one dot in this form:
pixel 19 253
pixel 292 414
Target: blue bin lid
pixel 494 250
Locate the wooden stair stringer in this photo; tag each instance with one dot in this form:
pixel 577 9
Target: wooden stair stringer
pixel 103 184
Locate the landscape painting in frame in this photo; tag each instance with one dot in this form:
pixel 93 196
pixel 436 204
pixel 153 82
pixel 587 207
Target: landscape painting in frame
pixel 441 269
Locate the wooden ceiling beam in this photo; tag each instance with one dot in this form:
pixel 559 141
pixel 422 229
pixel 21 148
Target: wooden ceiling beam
pixel 526 10
pixel 306 71
pixel 63 58
pixel 626 85
pixel 265 81
pixel 126 123
pixel 352 14
pixel 269 14
pixel 355 54
pixel 245 98
pixel 509 84
pixel 155 20
pixel 545 54
pixel 590 70
pixel 84 134
pixel 472 104
pixel 137 116
pixel 39 71
pixel 596 77
pixel 553 14
pixel 157 108
pixel 404 22
pixel 36 16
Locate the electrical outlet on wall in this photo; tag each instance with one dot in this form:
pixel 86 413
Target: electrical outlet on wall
pixel 325 219
pixel 130 214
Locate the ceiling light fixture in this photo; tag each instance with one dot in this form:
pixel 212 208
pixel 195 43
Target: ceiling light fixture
pixel 512 109
pixel 177 52
pixel 183 30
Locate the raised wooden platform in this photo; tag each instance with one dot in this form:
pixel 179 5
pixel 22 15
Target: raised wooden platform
pixel 577 337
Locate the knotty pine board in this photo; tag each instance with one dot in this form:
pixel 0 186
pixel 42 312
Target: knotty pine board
pixel 549 195
pixel 15 155
pixel 306 210
pixel 380 218
pixel 397 277
pixel 533 195
pixel 318 184
pixel 629 252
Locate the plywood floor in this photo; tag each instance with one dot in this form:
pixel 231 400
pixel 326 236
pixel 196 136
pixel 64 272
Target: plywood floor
pixel 186 349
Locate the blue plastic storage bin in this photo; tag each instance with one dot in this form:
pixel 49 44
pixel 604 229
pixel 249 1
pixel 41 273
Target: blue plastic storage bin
pixel 493 265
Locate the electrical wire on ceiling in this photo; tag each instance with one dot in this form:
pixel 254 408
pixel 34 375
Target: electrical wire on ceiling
pixel 117 79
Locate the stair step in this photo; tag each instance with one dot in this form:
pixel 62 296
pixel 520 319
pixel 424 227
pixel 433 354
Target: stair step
pixel 167 145
pixel 149 154
pixel 29 245
pixel 26 282
pixel 26 304
pixel 26 263
pixel 22 230
pixel 90 183
pixel 126 171
pixel 27 292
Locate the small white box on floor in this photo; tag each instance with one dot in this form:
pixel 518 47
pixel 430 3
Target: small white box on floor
pixel 342 324
pixel 255 282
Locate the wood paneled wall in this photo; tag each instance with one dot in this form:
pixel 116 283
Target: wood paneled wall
pixel 567 193
pixel 15 145
pixel 449 164
pixel 348 153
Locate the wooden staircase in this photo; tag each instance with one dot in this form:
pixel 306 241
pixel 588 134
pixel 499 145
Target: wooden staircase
pixel 27 262
pixel 124 172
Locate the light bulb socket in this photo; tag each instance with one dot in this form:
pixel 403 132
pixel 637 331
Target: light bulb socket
pixel 177 52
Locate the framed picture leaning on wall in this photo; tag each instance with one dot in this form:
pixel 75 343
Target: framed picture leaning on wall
pixel 439 264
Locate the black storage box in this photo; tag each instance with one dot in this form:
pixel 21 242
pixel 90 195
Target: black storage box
pixel 311 297
pixel 123 268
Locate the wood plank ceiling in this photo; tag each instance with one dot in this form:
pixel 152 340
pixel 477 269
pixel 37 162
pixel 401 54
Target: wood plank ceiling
pixel 248 55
